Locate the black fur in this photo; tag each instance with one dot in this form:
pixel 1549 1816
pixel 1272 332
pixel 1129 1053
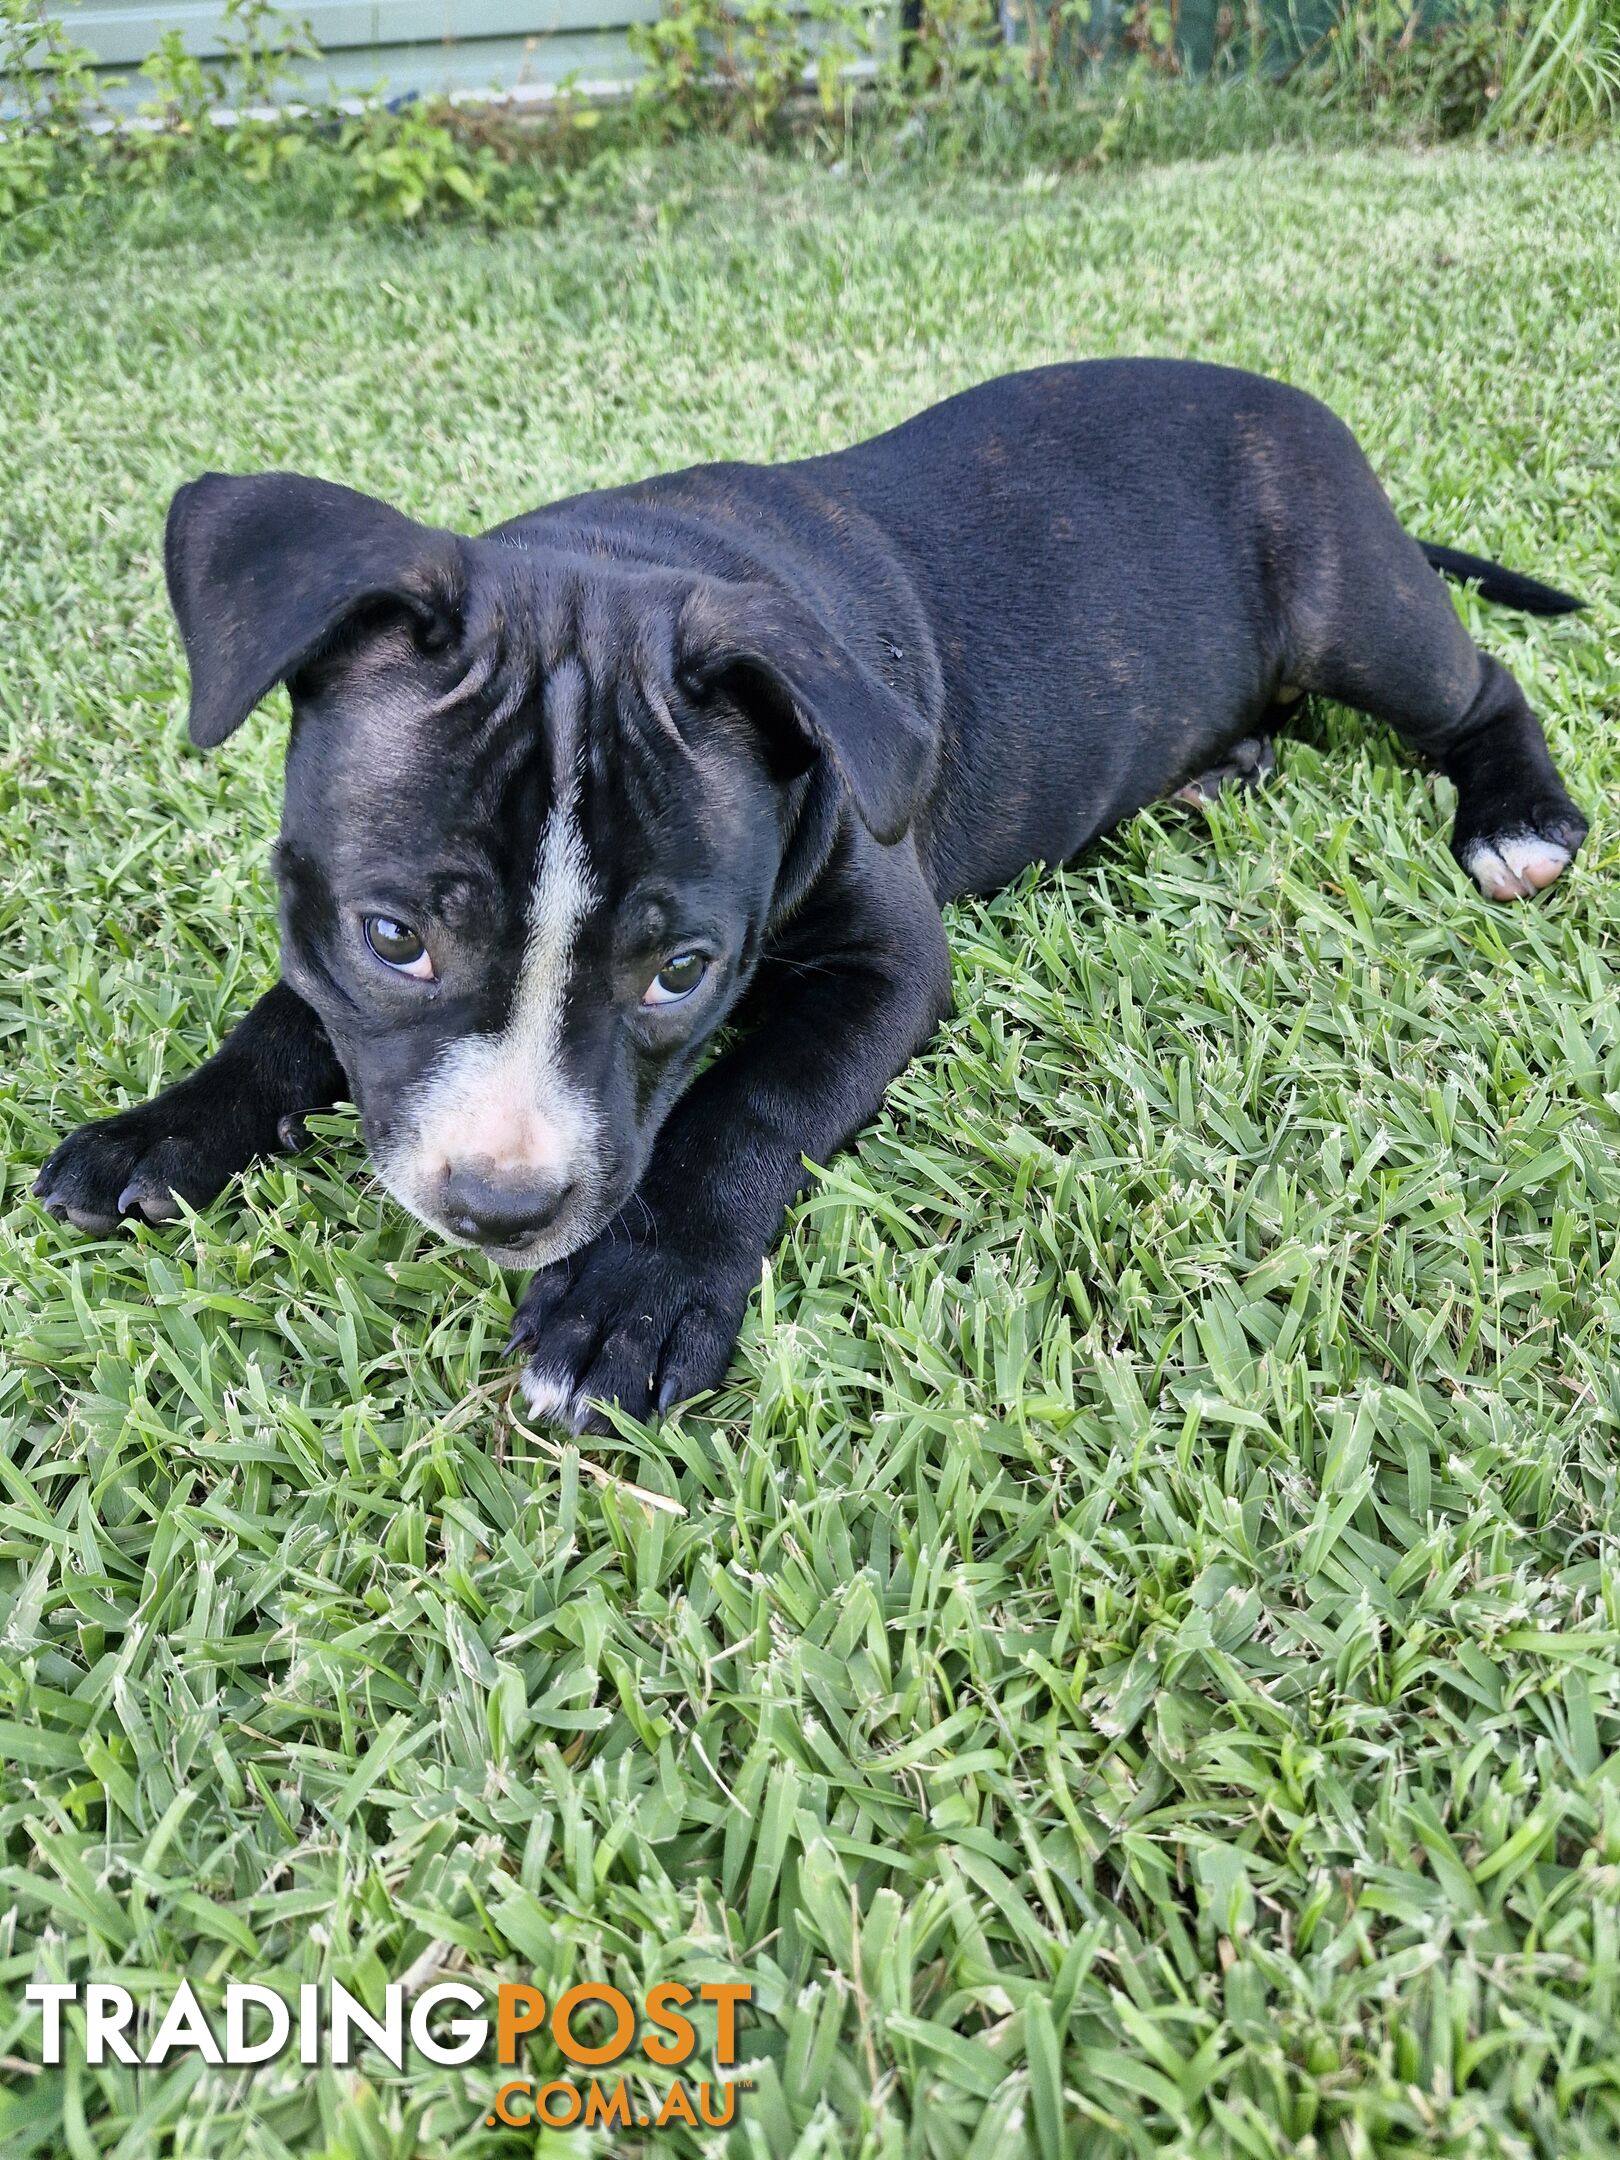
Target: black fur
pixel 1507 588
pixel 801 706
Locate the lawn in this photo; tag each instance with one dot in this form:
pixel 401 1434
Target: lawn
pixel 1133 1661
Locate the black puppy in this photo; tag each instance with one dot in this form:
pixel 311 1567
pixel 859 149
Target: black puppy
pixel 564 799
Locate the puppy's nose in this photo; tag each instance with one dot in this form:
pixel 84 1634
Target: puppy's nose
pixel 495 1208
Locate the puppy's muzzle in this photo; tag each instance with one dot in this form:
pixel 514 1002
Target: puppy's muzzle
pixel 503 1208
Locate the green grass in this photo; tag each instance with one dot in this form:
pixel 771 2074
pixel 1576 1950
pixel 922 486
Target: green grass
pixel 1138 1669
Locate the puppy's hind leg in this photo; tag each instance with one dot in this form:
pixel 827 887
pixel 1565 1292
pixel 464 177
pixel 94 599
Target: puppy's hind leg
pixel 1396 648
pixel 1516 829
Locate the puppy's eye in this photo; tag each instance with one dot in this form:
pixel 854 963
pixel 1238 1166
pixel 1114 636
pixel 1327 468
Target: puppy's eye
pixel 397 945
pixel 676 979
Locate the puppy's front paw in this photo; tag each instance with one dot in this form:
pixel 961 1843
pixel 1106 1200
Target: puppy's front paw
pixel 633 1324
pixel 136 1163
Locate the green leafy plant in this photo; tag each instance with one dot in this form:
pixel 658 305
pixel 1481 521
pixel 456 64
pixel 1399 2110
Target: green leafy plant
pixel 46 78
pixel 28 170
pixel 1152 31
pixel 1560 79
pixel 175 122
pixel 49 85
pixel 1035 81
pixel 958 48
pixel 738 66
pixel 408 166
pixel 425 162
pixel 260 50
pixel 1055 43
pixel 1366 52
pixel 1455 75
pixel 1539 71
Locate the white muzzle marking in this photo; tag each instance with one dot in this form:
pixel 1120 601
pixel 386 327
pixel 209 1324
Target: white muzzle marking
pixel 504 1099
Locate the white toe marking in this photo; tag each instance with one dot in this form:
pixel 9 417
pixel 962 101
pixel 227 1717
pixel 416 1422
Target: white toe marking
pixel 549 1395
pixel 1491 874
pixel 1535 860
pixel 1515 865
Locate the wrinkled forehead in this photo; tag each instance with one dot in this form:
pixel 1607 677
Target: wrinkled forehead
pixel 467 782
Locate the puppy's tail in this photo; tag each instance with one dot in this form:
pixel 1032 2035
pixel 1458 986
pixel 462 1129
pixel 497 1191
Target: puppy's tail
pixel 1508 588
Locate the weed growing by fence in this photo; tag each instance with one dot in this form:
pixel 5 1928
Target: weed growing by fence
pixel 1030 86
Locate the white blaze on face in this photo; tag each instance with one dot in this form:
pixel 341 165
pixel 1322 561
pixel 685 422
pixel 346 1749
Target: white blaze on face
pixel 504 1101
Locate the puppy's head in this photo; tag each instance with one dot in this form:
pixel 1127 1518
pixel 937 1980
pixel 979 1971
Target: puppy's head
pixel 541 809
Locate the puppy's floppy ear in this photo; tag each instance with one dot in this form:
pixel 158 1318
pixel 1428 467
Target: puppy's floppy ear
pixel 800 682
pixel 263 569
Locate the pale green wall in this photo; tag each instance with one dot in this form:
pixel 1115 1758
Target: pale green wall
pixel 421 45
